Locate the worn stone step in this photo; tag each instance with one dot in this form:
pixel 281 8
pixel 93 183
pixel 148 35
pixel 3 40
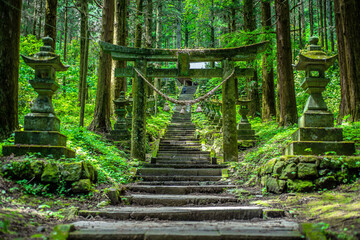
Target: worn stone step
pixel 183 138
pixel 183 183
pixel 195 153
pixel 184 162
pixel 220 213
pixel 179 141
pixel 182 166
pixel 155 189
pixel 189 157
pixel 179 200
pixel 179 178
pixel 189 230
pixel 180 146
pixel 179 172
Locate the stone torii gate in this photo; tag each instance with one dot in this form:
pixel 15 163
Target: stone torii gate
pixel 183 57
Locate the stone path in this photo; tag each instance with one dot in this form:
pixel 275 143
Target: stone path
pixel 181 196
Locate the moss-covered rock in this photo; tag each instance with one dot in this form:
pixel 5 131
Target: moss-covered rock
pixel 330 163
pixel 307 171
pixel 269 166
pixel 326 182
pixel 89 172
pixel 71 172
pixel 278 167
pixel 274 185
pixel 352 162
pixel 289 172
pixel 51 173
pixel 81 186
pixel 37 168
pixel 300 185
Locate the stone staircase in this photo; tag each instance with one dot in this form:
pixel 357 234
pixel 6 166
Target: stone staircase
pixel 182 195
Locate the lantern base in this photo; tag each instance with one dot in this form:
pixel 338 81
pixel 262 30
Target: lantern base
pixel 52 138
pixel 318 134
pixel 320 148
pixel 44 150
pixel 316 119
pixel 41 122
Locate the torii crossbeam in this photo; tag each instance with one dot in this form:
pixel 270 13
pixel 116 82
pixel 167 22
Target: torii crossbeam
pixel 183 57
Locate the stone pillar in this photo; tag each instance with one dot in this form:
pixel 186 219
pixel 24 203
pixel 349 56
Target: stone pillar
pixel 229 114
pixel 244 131
pixel 120 132
pixel 138 134
pixel 129 109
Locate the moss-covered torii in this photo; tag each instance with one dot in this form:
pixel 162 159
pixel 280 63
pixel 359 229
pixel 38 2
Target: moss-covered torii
pixel 142 56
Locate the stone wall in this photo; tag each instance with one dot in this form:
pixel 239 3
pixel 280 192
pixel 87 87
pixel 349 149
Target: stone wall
pixel 77 176
pixel 308 173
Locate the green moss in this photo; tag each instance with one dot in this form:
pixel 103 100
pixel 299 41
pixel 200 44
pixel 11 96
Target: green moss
pixel 300 185
pixel 81 186
pixel 51 173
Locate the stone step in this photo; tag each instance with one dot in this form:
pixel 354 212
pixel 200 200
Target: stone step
pixel 185 141
pixel 189 230
pixel 183 162
pixel 179 178
pixel 180 148
pixel 179 200
pixel 172 138
pixel 220 213
pixel 184 166
pixel 182 183
pixel 179 172
pixel 195 153
pixel 155 189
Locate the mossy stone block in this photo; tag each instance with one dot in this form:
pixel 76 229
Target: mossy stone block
pixel 352 162
pixel 51 173
pixel 316 119
pixel 330 163
pixel 300 185
pixel 278 167
pixel 289 172
pixel 269 166
pixel 71 172
pixel 307 171
pixel 81 186
pixel 326 182
pixel 61 232
pixel 320 148
pixel 274 185
pixel 41 122
pixel 89 172
pixel 263 180
pixel 40 138
pixel 37 167
pixel 318 134
pixel 44 150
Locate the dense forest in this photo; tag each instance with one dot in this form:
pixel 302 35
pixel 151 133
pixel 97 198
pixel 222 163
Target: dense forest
pixel 94 101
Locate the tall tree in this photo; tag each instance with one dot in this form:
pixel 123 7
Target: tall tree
pixel 65 41
pixel 348 25
pixel 252 83
pixel 178 25
pixel 288 113
pixel 10 16
pixel 83 33
pixel 331 25
pixel 268 90
pixel 120 39
pixel 325 26
pixel 311 17
pixel 138 28
pixel 101 118
pixel 50 20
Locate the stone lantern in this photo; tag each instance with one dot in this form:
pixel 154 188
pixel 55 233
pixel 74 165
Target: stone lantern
pixel 41 126
pixel 244 131
pixel 120 131
pixel 316 133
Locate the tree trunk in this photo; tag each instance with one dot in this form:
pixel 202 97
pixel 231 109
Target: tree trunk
pixel 40 19
pixel 101 119
pixel 300 24
pixel 121 13
pixel 35 17
pixel 331 25
pixel 84 79
pixel 349 19
pixel 178 26
pixel 50 20
pixel 302 10
pixel 252 83
pixel 138 28
pixel 65 42
pixel 325 27
pixel 149 21
pixel 233 17
pixel 318 19
pixel 345 99
pixel 311 17
pixel 83 33
pixel 322 23
pixel 10 17
pixel 288 112
pixel 268 90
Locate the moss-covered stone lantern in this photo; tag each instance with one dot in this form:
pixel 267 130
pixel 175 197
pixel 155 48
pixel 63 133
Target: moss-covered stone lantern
pixel 244 131
pixel 120 131
pixel 129 108
pixel 41 126
pixel 316 134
